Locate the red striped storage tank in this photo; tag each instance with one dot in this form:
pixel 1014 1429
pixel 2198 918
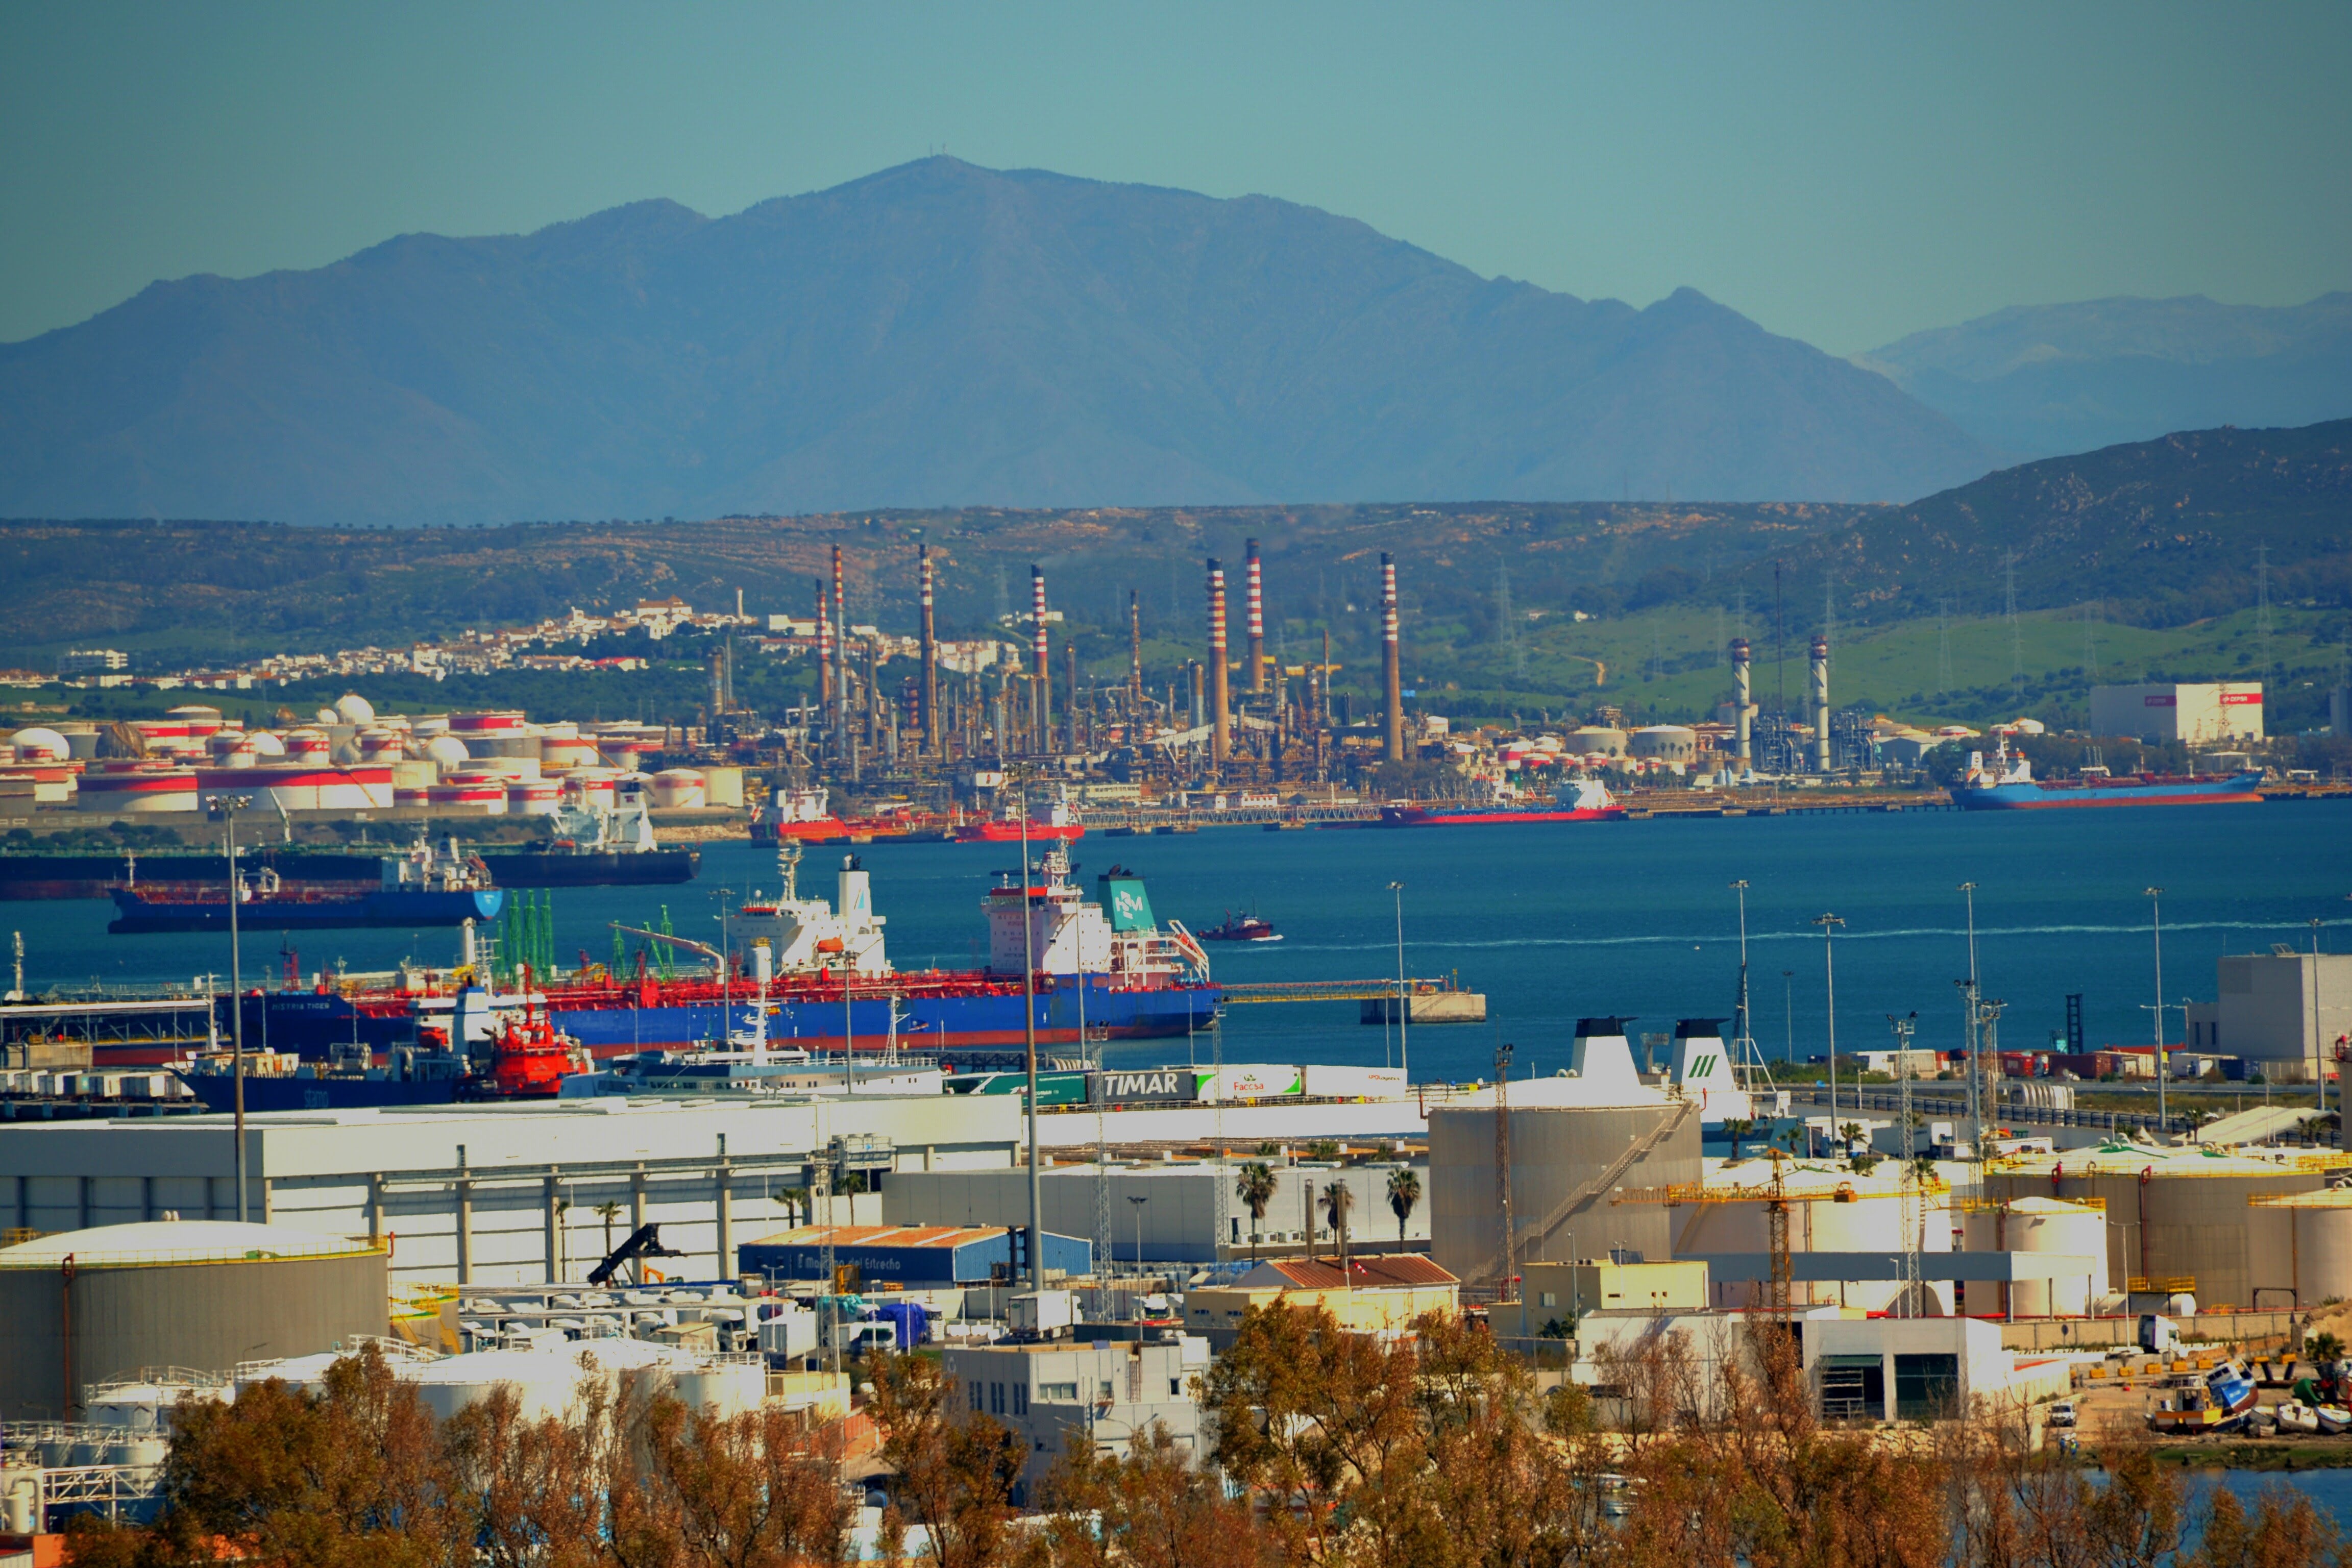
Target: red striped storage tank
pixel 534 797
pixel 137 784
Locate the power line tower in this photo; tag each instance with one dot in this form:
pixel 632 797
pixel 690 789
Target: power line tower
pixel 2263 608
pixel 2016 637
pixel 1943 647
pixel 1903 1028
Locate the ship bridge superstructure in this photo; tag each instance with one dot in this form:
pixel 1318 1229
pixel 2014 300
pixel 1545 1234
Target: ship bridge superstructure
pixel 810 936
pixel 1116 940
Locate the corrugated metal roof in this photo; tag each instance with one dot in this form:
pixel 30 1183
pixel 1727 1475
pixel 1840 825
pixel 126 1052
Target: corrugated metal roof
pixel 872 1236
pixel 1371 1272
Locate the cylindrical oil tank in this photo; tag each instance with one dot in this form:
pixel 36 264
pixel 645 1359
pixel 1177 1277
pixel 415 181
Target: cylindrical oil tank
pixel 721 1388
pixel 2170 1215
pixel 534 797
pixel 2040 1226
pixel 546 1382
pixel 1832 1209
pixel 1596 740
pixel 677 788
pixel 2300 1248
pixel 1557 1152
pixel 198 1293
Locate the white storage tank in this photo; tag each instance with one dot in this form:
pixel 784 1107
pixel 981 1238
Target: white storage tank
pixel 722 1388
pixel 2300 1248
pixel 545 1382
pixel 352 708
pixel 137 784
pixel 447 751
pixel 2040 1226
pixel 677 788
pixel 722 787
pixel 37 743
pixel 481 793
pixel 1836 1211
pixel 561 753
pixel 534 797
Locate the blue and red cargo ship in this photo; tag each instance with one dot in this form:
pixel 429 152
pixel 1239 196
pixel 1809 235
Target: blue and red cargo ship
pixel 2009 786
pixel 833 985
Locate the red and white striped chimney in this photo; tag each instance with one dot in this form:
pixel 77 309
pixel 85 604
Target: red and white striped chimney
pixel 1256 623
pixel 1220 709
pixel 1391 658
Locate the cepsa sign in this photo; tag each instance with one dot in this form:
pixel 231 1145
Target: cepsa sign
pixel 2242 699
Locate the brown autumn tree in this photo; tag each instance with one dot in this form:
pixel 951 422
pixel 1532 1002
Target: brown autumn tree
pixel 353 1476
pixel 1153 1507
pixel 956 1467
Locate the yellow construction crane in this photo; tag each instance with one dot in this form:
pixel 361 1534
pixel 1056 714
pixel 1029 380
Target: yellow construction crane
pixel 1775 1197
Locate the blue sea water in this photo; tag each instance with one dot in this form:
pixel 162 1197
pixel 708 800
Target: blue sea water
pixel 1553 921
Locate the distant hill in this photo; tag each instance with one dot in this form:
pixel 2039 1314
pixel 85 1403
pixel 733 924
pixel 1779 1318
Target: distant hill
pixel 2157 533
pixel 2041 380
pixel 935 334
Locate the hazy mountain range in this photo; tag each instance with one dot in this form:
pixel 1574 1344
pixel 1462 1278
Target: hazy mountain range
pixel 2041 380
pixel 934 335
pixel 940 335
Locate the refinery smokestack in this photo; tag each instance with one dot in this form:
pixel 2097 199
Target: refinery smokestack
pixel 1739 703
pixel 841 641
pixel 1221 744
pixel 1820 704
pixel 824 657
pixel 1043 664
pixel 1391 660
pixel 1257 624
pixel 931 687
pixel 1134 652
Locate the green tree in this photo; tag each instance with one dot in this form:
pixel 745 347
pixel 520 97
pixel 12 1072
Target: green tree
pixel 1339 1202
pixel 1404 1194
pixel 1254 1187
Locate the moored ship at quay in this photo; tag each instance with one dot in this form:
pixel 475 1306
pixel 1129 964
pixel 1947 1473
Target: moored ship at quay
pixel 833 985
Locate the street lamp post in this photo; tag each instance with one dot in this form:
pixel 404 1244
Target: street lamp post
pixel 1829 924
pixel 1029 1036
pixel 1137 1204
pixel 226 806
pixel 2163 1068
pixel 1404 1004
pixel 1970 990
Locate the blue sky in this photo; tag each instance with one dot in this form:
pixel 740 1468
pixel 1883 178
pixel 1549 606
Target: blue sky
pixel 1843 173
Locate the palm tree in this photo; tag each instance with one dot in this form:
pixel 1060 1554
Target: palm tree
pixel 1338 1200
pixel 1254 1187
pixel 1404 1193
pixel 608 1211
pixel 1736 1128
pixel 794 1199
pixel 1851 1132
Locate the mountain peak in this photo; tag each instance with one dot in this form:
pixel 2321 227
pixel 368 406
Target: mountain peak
pixel 934 332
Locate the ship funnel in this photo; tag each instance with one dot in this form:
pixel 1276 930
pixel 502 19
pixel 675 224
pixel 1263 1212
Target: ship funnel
pixel 1603 1058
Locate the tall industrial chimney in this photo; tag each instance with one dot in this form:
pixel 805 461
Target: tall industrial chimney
pixel 841 642
pixel 1820 704
pixel 1740 702
pixel 1257 624
pixel 1134 653
pixel 1042 670
pixel 1221 744
pixel 824 657
pixel 1070 690
pixel 930 689
pixel 1391 660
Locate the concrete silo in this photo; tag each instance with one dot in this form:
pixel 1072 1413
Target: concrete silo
pixel 92 1305
pixel 1573 1139
pixel 2299 1248
pixel 2177 1218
